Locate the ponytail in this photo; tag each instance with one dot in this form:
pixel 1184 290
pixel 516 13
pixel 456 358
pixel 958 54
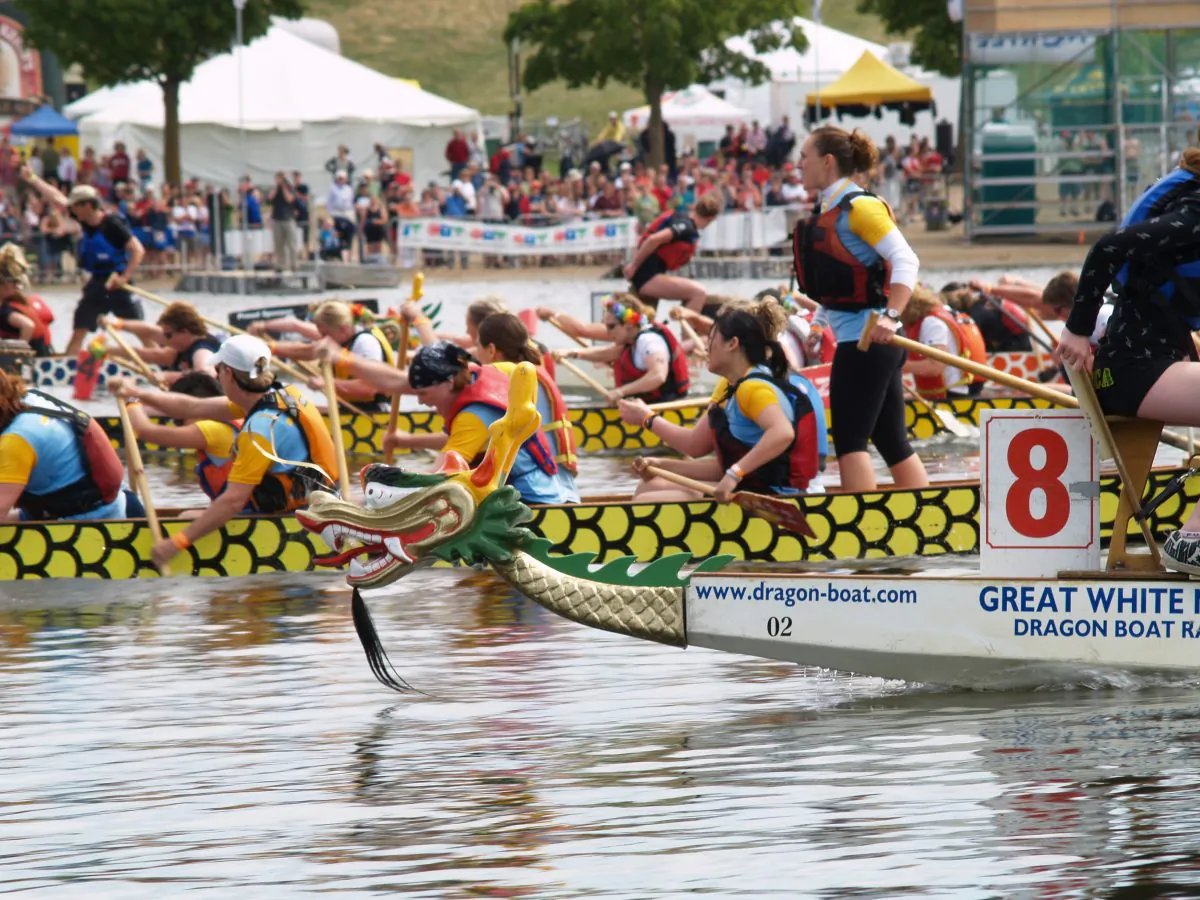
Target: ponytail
pixel 757 327
pixel 508 334
pixel 853 151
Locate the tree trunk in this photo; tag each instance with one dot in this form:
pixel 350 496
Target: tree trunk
pixel 657 153
pixel 171 156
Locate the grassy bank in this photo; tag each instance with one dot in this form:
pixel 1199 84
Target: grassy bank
pixel 455 49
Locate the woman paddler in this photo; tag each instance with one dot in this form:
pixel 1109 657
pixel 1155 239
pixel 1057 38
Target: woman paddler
pixel 470 397
pixel 335 320
pixel 667 245
pixel 278 424
pixel 179 342
pixel 852 259
pixel 648 361
pixel 1146 362
pixel 212 439
pixel 55 461
pixel 928 320
pixel 763 424
pixel 22 318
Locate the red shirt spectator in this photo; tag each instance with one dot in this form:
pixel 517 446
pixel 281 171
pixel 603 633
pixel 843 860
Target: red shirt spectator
pixel 118 163
pixel 458 152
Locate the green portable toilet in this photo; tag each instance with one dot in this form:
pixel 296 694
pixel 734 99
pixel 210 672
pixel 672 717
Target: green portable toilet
pixel 1003 138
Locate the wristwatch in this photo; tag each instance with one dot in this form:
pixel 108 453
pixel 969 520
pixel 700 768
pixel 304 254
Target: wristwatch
pixel 892 314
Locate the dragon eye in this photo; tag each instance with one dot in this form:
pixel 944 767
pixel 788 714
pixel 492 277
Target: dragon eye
pixel 378 496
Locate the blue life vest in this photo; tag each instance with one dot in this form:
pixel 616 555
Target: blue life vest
pixel 818 405
pixel 1148 276
pixel 98 256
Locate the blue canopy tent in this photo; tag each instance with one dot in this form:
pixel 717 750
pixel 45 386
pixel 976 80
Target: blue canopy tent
pixel 45 122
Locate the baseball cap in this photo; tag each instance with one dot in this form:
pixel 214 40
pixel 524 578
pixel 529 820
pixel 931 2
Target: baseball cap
pixel 83 193
pixel 244 353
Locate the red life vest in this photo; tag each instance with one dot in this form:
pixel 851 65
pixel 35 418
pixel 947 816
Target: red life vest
pixel 679 379
pixel 828 272
pixel 214 477
pixel 796 466
pixel 560 431
pixel 34 309
pixel 490 387
pixel 676 253
pixel 970 346
pixel 103 472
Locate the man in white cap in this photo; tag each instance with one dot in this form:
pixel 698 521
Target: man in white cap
pixel 108 252
pixel 281 438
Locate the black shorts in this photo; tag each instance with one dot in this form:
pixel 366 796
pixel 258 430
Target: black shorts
pixel 651 268
pixel 1122 382
pixel 866 401
pixel 98 300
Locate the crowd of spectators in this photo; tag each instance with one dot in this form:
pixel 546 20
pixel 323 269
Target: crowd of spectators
pixel 356 216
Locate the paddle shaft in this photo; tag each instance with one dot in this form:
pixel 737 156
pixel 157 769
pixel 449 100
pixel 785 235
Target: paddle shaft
pixel 335 428
pixel 584 377
pixel 137 472
pixel 682 480
pixel 778 512
pixel 1041 323
pixel 134 357
pixel 389 455
pixel 946 417
pixel 690 333
pixel 553 320
pixel 685 403
pixel 969 365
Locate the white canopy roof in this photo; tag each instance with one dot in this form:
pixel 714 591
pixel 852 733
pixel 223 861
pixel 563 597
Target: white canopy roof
pixel 286 82
pixel 693 107
pixel 829 51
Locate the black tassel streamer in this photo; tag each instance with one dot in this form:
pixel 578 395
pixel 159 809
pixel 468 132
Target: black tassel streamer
pixel 381 667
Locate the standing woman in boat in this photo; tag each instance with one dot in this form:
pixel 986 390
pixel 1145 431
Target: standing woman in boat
pixel 667 245
pixel 281 432
pixel 762 424
pixel 852 259
pixel 648 361
pixel 108 252
pixel 21 318
pixel 1146 362
pixel 180 342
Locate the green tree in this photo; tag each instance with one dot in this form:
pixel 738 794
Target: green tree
pixel 116 41
pixel 653 45
pixel 937 41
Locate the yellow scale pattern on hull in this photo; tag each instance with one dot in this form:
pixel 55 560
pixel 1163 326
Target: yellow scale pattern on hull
pixel 930 522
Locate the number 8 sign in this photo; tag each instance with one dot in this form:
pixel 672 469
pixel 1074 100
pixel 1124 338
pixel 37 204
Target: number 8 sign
pixel 1040 493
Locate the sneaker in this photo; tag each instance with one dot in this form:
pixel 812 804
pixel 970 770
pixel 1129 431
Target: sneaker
pixel 1181 552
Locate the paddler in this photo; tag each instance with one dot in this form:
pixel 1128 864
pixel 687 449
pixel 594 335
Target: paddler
pixel 648 361
pixel 212 439
pixel 282 448
pixel 22 318
pixel 928 320
pixel 180 342
pixel 108 251
pixel 334 319
pixel 852 259
pixel 55 461
pixel 470 397
pixel 1146 362
pixel 763 428
pixel 478 311
pixel 667 245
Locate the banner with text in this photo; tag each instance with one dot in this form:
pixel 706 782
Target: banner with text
pixel 469 236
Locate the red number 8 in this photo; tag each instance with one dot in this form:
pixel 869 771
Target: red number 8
pixel 1019 503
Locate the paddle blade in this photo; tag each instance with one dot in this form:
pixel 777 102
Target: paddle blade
pixel 951 423
pixel 780 513
pixel 529 319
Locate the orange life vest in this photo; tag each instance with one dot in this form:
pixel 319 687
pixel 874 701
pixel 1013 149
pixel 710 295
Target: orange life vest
pixel 286 491
pixel 213 476
pixel 970 346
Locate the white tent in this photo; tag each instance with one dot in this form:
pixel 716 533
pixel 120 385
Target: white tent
pixel 299 102
pixel 830 53
pixel 695 113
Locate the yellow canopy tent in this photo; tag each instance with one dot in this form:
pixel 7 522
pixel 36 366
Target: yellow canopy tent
pixel 867 86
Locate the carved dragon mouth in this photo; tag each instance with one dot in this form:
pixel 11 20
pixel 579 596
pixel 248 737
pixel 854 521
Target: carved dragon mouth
pixel 384 543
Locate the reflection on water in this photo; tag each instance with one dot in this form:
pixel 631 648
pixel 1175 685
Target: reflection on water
pixel 167 737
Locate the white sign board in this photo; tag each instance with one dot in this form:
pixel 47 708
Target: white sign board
pixel 1004 50
pixel 1040 480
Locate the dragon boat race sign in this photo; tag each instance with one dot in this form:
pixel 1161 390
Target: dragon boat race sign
pixel 21 86
pixel 465 235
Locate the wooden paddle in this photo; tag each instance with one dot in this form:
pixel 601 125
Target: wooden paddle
pixel 137 475
pixel 418 291
pixel 553 320
pixel 233 329
pixel 134 357
pixel 335 428
pixel 947 418
pixel 969 365
pixel 698 348
pixel 1041 323
pixel 685 403
pixel 584 377
pixel 778 512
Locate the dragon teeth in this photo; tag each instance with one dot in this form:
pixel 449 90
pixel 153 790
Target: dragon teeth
pixel 396 549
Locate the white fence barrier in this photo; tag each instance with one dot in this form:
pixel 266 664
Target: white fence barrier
pixel 470 236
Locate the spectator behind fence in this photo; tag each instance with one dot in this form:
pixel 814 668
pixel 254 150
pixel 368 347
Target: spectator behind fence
pixel 458 154
pixel 339 204
pixel 341 162
pixel 300 203
pixel 68 170
pixel 283 223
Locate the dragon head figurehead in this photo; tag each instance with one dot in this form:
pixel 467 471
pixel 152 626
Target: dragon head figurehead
pixel 457 514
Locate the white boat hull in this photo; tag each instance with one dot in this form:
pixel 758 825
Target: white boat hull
pixel 962 631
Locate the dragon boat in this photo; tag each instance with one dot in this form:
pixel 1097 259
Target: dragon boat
pixel 1041 609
